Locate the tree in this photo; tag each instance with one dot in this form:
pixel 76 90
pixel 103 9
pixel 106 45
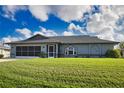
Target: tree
pixel 121 45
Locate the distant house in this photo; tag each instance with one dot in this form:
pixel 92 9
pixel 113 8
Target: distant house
pixel 4 51
pixel 61 46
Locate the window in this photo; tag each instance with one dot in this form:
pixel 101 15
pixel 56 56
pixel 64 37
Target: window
pixel 70 51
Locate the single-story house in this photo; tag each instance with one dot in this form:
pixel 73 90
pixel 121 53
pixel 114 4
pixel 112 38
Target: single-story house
pixel 5 51
pixel 61 46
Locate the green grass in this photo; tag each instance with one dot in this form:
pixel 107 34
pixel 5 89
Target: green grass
pixel 63 72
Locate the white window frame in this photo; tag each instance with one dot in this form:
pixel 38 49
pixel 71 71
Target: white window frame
pixel 69 49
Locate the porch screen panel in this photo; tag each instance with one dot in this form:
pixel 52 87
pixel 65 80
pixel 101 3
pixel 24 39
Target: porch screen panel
pixel 24 51
pixel 31 51
pixel 18 51
pixel 37 50
pixel 28 50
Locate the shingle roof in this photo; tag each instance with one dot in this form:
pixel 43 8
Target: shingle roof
pixel 64 40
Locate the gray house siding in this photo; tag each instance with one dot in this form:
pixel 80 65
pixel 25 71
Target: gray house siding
pixel 105 47
pixel 86 50
pixel 44 48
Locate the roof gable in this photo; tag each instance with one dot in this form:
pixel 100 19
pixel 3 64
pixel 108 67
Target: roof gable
pixel 37 37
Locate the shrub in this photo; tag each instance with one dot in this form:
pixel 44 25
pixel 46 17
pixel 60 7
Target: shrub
pixel 116 53
pixel 121 53
pixel 43 55
pixel 1 55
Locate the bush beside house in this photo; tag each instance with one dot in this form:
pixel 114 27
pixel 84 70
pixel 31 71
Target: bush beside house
pixel 116 53
pixel 43 55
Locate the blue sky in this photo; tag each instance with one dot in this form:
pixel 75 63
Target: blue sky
pixel 21 22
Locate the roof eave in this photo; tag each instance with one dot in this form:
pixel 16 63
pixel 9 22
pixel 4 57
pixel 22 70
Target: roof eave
pixel 114 42
pixel 31 43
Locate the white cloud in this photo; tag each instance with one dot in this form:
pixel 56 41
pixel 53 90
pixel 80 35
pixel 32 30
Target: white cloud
pixel 43 31
pixel 68 33
pixel 73 29
pixel 46 32
pixel 107 34
pixel 111 35
pixel 101 24
pixel 96 24
pixel 10 39
pixel 25 32
pixel 104 24
pixel 119 37
pixel 76 28
pixel 66 13
pixel 72 26
pixel 10 10
pixel 118 10
pixel 69 13
pixel 40 12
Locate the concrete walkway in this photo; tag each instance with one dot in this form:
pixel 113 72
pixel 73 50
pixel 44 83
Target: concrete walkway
pixel 7 60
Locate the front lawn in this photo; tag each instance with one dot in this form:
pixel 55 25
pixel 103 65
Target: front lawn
pixel 63 72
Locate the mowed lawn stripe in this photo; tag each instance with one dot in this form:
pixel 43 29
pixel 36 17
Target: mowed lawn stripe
pixel 63 72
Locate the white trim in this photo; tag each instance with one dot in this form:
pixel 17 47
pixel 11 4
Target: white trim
pixel 73 49
pixel 51 52
pixel 28 44
pixel 56 50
